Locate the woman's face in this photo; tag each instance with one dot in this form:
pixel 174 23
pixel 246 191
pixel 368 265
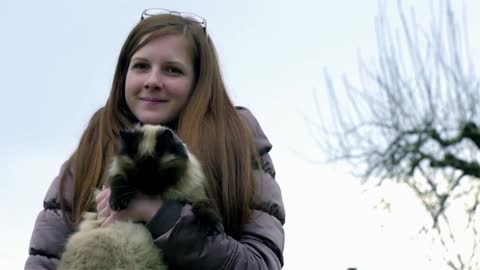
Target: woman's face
pixel 159 80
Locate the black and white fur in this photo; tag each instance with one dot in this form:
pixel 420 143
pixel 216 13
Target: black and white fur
pixel 151 160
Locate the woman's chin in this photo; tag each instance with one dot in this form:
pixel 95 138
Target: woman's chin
pixel 153 120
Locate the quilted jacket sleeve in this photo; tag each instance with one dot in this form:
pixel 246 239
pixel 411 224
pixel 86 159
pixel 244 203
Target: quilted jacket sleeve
pixel 50 231
pixel 262 242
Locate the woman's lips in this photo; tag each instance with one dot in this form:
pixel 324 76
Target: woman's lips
pixel 153 100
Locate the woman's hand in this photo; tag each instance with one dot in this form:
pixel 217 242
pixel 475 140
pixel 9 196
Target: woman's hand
pixel 103 207
pixel 141 208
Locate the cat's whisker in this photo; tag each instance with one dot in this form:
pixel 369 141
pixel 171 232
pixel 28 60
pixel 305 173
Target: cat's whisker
pixel 125 194
pixel 122 186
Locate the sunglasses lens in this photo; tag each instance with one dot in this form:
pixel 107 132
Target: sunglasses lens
pixel 188 16
pixel 193 18
pixel 155 11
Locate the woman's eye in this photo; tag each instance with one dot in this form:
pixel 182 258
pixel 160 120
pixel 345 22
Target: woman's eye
pixel 174 70
pixel 139 66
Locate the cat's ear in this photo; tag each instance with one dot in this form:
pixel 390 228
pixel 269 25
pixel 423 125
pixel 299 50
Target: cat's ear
pixel 169 142
pixel 128 141
pixel 125 136
pixel 169 136
pixel 165 135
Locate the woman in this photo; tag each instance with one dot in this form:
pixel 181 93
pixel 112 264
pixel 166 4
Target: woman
pixel 168 73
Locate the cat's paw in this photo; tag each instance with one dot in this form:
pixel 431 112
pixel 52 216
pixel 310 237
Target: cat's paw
pixel 207 218
pixel 121 193
pixel 118 203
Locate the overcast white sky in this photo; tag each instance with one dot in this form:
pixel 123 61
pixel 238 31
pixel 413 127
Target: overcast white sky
pixel 57 61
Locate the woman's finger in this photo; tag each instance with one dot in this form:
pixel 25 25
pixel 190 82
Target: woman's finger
pixel 107 221
pixel 105 212
pixel 113 217
pixel 103 200
pixel 103 203
pixel 100 196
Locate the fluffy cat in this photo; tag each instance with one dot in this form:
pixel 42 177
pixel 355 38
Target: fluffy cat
pixel 151 160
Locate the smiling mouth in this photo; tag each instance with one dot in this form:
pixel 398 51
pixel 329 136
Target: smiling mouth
pixel 156 100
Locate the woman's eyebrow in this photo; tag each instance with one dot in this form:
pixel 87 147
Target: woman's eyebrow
pixel 139 58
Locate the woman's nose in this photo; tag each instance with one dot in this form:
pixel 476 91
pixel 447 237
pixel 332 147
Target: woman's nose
pixel 154 80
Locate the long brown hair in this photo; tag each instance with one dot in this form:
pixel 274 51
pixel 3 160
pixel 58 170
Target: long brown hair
pixel 209 125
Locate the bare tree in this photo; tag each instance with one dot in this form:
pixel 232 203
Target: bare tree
pixel 414 119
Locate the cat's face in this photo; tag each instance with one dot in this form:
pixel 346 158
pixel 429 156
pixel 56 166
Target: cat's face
pixel 159 158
